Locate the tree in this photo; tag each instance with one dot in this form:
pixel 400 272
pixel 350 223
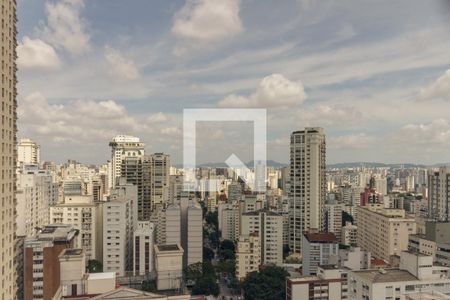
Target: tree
pixel 346 217
pixel 203 277
pixel 268 284
pixel 208 254
pixel 228 267
pixel 212 219
pixel 227 245
pixel 94 266
pixel 286 251
pixel 206 286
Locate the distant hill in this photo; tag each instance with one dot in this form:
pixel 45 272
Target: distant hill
pixel 375 165
pixel 269 163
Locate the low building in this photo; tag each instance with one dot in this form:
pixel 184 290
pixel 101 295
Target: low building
pixel 330 283
pixel 415 274
pixel 248 255
pixel 319 248
pixel 144 241
pixel 41 260
pixel 168 266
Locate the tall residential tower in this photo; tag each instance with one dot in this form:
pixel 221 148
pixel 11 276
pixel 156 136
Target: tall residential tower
pixel 308 184
pixel 8 150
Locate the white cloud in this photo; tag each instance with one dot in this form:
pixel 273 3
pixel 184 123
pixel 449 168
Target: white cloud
pixel 440 89
pixel 121 67
pixel 158 118
pixel 65 28
pixel 273 91
pixel 353 141
pixel 36 54
pixel 433 134
pixel 207 20
pixel 329 115
pixel 77 121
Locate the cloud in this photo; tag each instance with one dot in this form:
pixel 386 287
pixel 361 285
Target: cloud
pixel 207 21
pixel 440 89
pixel 65 28
pixel 121 67
pixel 273 91
pixel 36 54
pixel 434 134
pixel 353 141
pixel 158 118
pixel 77 121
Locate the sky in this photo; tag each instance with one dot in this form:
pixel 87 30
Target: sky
pixel 375 74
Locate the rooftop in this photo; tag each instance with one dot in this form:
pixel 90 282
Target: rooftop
pixel 173 247
pixel 389 275
pixel 103 275
pixel 71 252
pixel 321 237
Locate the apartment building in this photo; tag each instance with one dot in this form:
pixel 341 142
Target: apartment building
pixel 349 234
pixel 269 226
pixel 248 255
pixel 319 248
pixel 308 184
pixel 383 231
pixel 143 244
pixel 415 274
pixel 330 283
pixel 86 216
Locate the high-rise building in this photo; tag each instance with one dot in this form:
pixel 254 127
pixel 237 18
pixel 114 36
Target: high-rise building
pixel 333 219
pixel 84 215
pixel 349 234
pixel 248 255
pixel 308 184
pixel 36 192
pixel 439 194
pixel 269 226
pixel 8 150
pixel 383 232
pixel 150 173
pixel 28 152
pixel 119 222
pixel 123 146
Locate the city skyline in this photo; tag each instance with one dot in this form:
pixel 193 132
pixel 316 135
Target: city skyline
pixel 380 89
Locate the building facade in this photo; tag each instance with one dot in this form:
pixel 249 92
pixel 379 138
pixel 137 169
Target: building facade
pixel 383 232
pixel 308 184
pixel 8 150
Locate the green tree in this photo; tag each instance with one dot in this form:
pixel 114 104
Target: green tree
pixel 206 286
pixel 94 266
pixel 208 254
pixel 228 267
pixel 227 245
pixel 346 217
pixel 268 284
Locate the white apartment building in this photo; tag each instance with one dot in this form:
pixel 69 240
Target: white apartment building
pixel 384 232
pixel 36 192
pixel 349 234
pixel 119 222
pixel 28 152
pixel 143 247
pixel 330 283
pixel 8 150
pixel 318 249
pixel 123 146
pixel 86 216
pixel 415 274
pixel 269 226
pixel 248 255
pixel 333 218
pixel 194 241
pixel 229 221
pixel 308 184
pixel 439 194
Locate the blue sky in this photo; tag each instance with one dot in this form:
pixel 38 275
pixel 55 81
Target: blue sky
pixel 374 74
